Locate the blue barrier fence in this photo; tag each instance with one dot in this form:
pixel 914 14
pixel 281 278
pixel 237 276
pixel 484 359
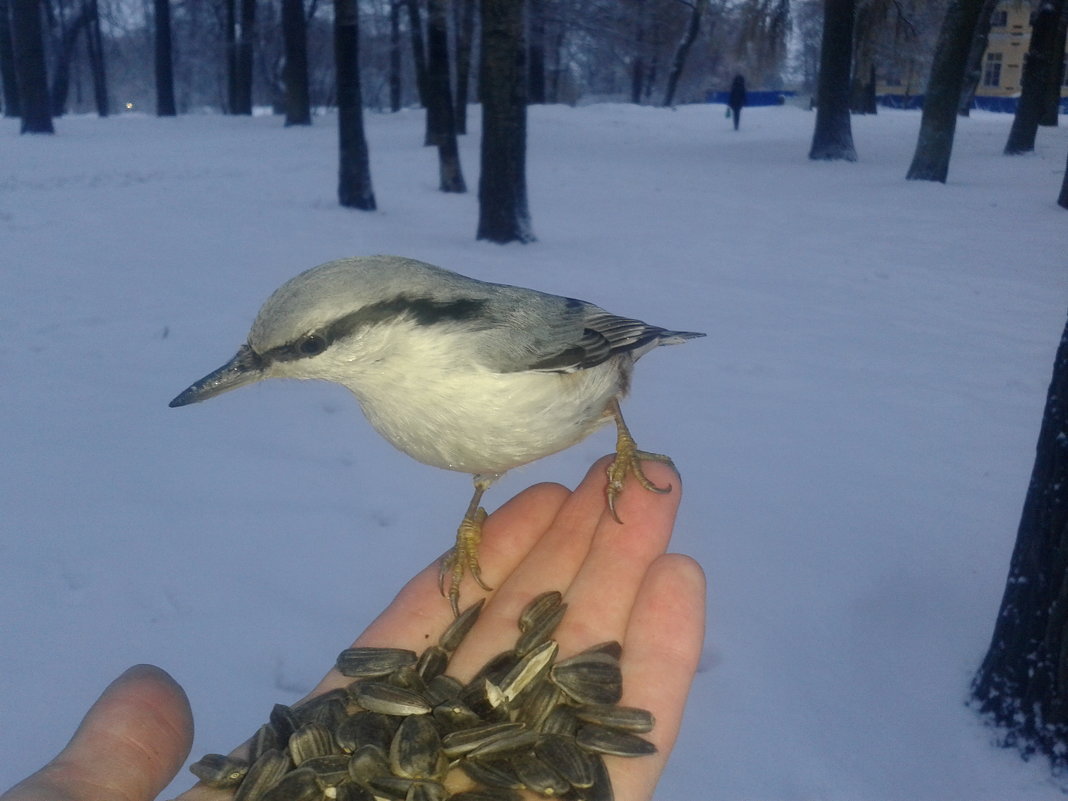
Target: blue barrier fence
pixel 758 98
pixel 1005 105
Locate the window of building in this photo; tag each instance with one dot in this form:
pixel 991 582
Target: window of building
pixel 992 70
pixel 999 19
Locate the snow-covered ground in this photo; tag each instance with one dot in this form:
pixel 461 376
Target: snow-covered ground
pixel 856 432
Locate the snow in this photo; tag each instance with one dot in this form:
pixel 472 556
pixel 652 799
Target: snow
pixel 856 433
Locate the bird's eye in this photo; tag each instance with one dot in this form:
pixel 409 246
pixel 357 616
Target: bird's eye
pixel 312 345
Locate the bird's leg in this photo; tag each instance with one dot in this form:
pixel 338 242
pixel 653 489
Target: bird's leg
pixel 629 460
pixel 464 555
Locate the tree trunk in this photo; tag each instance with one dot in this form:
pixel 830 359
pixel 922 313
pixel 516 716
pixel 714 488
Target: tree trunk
pixel 536 53
pixel 465 28
pixel 394 56
pixel 683 50
pixel 165 106
pixel 30 67
pixel 1022 685
pixel 243 59
pixel 7 62
pixel 974 71
pixel 503 215
pixel 862 85
pixel 295 71
pixel 354 172
pixel 1062 200
pixel 95 48
pixel 938 123
pixel 230 46
pixel 415 29
pixel 833 136
pixel 440 97
pixel 1051 100
pixel 1040 63
pixel 68 40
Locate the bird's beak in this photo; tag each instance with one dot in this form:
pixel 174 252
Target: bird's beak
pixel 245 368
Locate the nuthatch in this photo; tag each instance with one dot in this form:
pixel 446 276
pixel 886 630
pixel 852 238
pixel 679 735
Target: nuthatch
pixel 457 373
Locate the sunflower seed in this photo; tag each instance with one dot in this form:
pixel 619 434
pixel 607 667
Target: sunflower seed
pixel 310 740
pixel 540 630
pixel 492 773
pixel 451 638
pixel 443 688
pixel 297 785
pixel 589 678
pixel 351 791
pixel 612 741
pixel 455 715
pixel 379 696
pixel 330 770
pixel 521 740
pixel 432 662
pixel 265 739
pixel 285 722
pixel 567 759
pixel 486 700
pixel 539 776
pixel 216 770
pixel 365 728
pixel 263 774
pixel 464 741
pixel 528 670
pixel 487 794
pixel 536 705
pixel 416 749
pixel 327 708
pixel 625 718
pixel 541 605
pixel 561 720
pixel 360 663
pixel 368 761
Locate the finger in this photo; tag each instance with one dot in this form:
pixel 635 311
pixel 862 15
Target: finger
pixel 604 591
pixel 550 564
pixel 662 649
pixel 128 747
pixel 418 615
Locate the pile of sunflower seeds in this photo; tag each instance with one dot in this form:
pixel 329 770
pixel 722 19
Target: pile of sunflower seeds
pixel 525 722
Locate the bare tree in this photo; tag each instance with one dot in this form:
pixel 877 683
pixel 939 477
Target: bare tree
pixel 7 62
pixel 242 63
pixel 165 106
pixel 465 28
pixel 94 39
pixel 354 172
pixel 697 9
pixel 295 71
pixel 503 214
pixel 1062 199
pixel 394 56
pixel 1020 686
pixel 439 96
pixel 974 71
pixel 30 67
pixel 1041 63
pixel 833 135
pixel 938 123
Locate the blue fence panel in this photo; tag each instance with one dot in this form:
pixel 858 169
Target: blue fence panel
pixel 757 98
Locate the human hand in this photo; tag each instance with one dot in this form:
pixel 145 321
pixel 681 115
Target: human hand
pixel 617 580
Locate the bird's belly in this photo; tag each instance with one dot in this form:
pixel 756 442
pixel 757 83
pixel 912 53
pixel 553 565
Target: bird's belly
pixel 492 422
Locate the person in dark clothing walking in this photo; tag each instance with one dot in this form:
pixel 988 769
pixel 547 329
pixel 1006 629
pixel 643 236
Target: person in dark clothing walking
pixel 736 99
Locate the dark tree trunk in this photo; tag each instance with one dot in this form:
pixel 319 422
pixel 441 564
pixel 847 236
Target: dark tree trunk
pixel 394 56
pixel 230 45
pixel 683 50
pixel 165 106
pixel 833 136
pixel 243 59
pixel 440 97
pixel 95 48
pixel 1022 685
pixel 938 123
pixel 1051 101
pixel 60 90
pixel 862 85
pixel 415 30
pixel 1062 200
pixel 637 64
pixel 295 71
pixel 465 28
pixel 354 173
pixel 974 71
pixel 7 63
pixel 1040 64
pixel 503 215
pixel 536 53
pixel 30 67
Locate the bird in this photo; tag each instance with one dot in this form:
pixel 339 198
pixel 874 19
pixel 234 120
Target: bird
pixel 458 373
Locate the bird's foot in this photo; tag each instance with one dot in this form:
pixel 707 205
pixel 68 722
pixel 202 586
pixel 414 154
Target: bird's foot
pixel 628 461
pixel 463 557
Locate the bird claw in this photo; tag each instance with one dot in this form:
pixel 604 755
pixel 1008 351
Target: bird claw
pixel 628 461
pixel 463 557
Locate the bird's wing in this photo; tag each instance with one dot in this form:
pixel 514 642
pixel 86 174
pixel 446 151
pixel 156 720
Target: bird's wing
pixel 563 335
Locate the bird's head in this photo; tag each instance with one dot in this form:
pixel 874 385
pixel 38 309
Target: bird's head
pixel 330 322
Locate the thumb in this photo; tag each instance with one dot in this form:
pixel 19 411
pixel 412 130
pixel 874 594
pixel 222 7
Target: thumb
pixel 128 747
